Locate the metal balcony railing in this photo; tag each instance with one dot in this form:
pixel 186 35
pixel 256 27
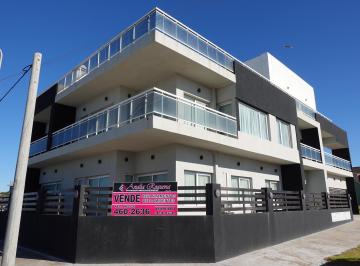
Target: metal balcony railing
pixel 310 153
pixel 305 109
pixel 337 162
pixel 38 146
pixel 151 102
pixel 156 19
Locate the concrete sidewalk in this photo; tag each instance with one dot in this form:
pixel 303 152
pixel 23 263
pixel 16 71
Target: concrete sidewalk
pixel 308 250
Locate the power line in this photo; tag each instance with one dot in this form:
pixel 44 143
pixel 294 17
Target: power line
pixel 24 71
pixel 10 76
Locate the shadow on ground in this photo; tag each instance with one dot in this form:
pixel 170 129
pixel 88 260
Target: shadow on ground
pixel 29 254
pixel 342 263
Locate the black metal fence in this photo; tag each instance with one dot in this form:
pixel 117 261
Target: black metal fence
pixel 192 200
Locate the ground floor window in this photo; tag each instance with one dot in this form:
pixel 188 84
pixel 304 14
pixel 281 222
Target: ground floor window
pixel 54 187
pixel 241 182
pixel 153 177
pixel 196 179
pixel 101 201
pixel 274 185
pixel 96 181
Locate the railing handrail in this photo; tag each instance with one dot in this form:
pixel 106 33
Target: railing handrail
pixel 140 95
pixel 133 25
pixel 38 140
pixel 194 32
pixel 309 147
pixel 336 157
pixel 104 45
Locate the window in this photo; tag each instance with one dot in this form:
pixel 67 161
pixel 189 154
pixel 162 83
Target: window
pixel 240 182
pixel 97 181
pixel 195 99
pixel 225 108
pixel 196 179
pixel 284 133
pixel 154 177
pixel 253 122
pixel 274 185
pixel 52 187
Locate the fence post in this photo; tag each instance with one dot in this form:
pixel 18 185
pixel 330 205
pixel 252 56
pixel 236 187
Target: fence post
pixel 40 201
pixel 349 201
pixel 302 200
pixel 78 201
pixel 267 192
pixel 327 198
pixel 213 199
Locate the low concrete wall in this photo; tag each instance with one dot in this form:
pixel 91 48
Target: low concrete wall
pixel 145 239
pixel 50 234
pixel 241 233
pixel 106 239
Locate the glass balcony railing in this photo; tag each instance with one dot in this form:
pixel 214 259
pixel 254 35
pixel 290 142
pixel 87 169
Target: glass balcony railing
pixel 158 20
pixel 305 109
pixel 337 162
pixel 310 153
pixel 38 146
pixel 152 102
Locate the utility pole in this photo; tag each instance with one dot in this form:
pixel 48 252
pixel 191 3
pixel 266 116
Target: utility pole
pixel 16 202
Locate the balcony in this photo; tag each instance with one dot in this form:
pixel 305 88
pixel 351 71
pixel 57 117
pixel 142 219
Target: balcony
pixel 153 102
pixel 305 109
pixel 310 153
pixel 38 146
pixel 337 162
pixel 155 20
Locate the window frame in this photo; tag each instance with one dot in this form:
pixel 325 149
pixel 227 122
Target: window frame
pixel 152 174
pixel 260 126
pixel 279 124
pixel 43 185
pixel 272 181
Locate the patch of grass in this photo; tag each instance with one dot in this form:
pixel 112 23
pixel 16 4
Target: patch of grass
pixel 351 255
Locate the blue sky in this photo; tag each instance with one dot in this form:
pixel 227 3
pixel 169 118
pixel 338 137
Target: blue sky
pixel 325 35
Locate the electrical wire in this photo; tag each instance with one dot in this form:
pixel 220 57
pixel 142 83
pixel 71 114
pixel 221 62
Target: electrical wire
pixel 24 71
pixel 10 76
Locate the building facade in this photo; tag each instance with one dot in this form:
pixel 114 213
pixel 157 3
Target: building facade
pixel 255 163
pixel 159 102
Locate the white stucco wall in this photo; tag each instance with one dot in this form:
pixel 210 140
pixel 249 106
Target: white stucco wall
pixel 335 182
pixel 99 103
pixel 283 77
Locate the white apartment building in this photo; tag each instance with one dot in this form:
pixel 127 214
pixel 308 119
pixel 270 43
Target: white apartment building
pixel 159 102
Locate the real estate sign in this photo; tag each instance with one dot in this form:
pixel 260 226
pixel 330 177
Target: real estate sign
pixel 144 199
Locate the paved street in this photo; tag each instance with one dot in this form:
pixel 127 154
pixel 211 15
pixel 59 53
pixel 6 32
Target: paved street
pixel 309 250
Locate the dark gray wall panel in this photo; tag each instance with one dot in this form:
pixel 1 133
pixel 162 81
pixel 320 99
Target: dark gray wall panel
pixel 145 239
pixel 46 99
pixel 261 94
pixel 339 134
